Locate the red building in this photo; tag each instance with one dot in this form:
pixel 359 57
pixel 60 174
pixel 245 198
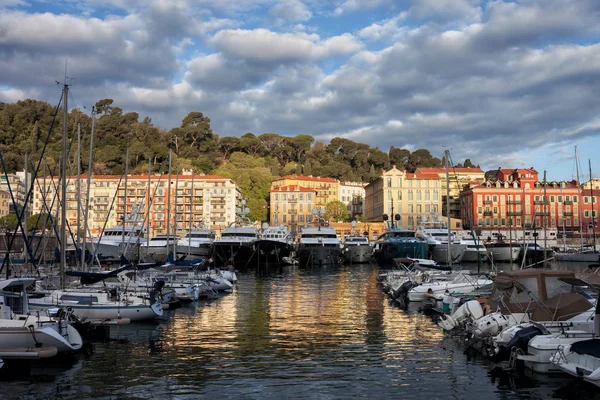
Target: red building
pixel 517 198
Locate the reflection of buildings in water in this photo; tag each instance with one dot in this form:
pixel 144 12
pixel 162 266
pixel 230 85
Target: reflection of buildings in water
pixel 318 310
pixel 375 302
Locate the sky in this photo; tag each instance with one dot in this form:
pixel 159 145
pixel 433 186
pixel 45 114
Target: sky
pixel 506 84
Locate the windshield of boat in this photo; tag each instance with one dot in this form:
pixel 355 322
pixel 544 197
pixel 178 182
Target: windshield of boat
pixel 318 235
pixel 235 234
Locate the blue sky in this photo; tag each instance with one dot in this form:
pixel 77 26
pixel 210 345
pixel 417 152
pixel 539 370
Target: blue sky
pixel 503 83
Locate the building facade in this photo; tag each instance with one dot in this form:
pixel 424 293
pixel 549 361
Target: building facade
pixel 190 200
pixel 5 203
pixel 403 196
pixel 352 194
pixel 518 199
pixel 17 184
pixel 457 179
pixel 292 205
pixel 327 189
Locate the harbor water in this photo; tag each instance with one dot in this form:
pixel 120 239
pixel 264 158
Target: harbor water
pixel 293 333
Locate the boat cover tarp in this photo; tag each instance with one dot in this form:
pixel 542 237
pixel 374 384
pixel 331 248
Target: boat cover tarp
pixel 591 347
pixel 547 295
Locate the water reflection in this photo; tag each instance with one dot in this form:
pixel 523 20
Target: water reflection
pixel 289 333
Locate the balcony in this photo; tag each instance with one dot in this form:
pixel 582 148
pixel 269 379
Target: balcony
pixel 568 214
pixel 487 202
pixel 568 202
pixel 292 200
pixel 514 202
pixel 541 202
pixel 513 213
pixel 293 212
pixel 543 214
pixel 487 213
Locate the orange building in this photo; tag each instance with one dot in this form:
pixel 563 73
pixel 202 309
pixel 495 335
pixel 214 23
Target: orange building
pixel 518 199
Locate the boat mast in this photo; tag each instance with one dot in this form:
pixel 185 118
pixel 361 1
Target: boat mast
pixel 63 191
pixel 169 200
pixel 125 200
pixel 26 169
pixel 191 217
pixel 148 207
pixel 89 182
pixel 578 200
pixel 175 216
pixel 78 185
pixel 544 218
pixel 564 235
pixel 449 255
pixel 593 218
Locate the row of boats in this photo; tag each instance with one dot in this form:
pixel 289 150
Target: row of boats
pixel 39 322
pixel 316 245
pixel 548 321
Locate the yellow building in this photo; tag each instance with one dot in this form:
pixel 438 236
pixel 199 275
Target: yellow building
pixel 458 178
pixel 327 188
pixel 292 205
pixel 403 196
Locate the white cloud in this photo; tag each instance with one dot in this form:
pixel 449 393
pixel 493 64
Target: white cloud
pixel 290 11
pixel 264 46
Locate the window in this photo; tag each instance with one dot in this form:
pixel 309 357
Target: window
pixel 389 182
pixel 410 208
pixel 418 196
pixel 418 209
pixel 435 196
pixel 427 196
pixel 399 195
pixel 495 198
pixel 410 196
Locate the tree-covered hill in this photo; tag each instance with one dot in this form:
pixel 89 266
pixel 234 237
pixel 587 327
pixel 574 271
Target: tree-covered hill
pixel 252 160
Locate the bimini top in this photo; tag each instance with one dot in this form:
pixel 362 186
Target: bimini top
pixel 546 295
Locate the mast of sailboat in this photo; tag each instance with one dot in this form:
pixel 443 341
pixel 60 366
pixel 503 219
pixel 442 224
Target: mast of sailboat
pixel 191 216
pixel 449 255
pixel 169 200
pixel 125 200
pixel 89 188
pixel 579 199
pixel 26 169
pixel 148 208
pixel 593 218
pixel 564 235
pixel 175 215
pixel 78 185
pixel 63 191
pixel 545 219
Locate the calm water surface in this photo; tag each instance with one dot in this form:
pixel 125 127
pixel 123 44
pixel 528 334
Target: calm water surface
pixel 324 334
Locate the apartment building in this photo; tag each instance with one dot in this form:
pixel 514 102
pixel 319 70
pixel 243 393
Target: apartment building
pixel 457 179
pixel 352 194
pixel 292 205
pixel 190 200
pixel 518 199
pixel 403 196
pixel 327 189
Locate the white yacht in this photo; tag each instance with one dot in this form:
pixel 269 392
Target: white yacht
pixel 117 241
pixel 196 244
pixel 475 251
pixel 319 246
pixel 157 248
pixel 436 234
pixel 23 331
pixel 100 303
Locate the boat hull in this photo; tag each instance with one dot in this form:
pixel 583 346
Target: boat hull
pixel 318 255
pixel 387 251
pixel 439 252
pixel 16 334
pixel 269 251
pixel 239 255
pixel 361 253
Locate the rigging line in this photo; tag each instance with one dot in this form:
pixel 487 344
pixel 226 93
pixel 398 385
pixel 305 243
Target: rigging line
pixel 34 176
pixel 107 216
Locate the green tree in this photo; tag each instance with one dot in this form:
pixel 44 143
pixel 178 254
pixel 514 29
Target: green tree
pixel 336 211
pixel 9 221
pixel 36 221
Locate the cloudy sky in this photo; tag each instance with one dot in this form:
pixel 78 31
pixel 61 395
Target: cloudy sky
pixel 504 83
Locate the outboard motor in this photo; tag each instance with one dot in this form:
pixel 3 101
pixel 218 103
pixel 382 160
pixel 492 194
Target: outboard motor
pixel 471 310
pixel 400 295
pixel 520 340
pixel 158 287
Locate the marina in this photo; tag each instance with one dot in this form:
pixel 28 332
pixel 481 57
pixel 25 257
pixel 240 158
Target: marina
pixel 325 332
